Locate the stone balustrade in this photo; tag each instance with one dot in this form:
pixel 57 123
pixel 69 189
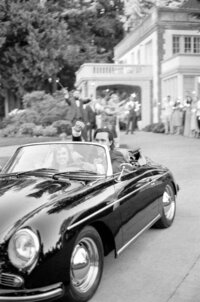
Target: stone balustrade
pixel 97 71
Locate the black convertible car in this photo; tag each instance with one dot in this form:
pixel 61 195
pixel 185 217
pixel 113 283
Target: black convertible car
pixel 62 210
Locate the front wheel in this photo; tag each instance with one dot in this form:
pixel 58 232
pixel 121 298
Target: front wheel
pixel 168 208
pixel 86 265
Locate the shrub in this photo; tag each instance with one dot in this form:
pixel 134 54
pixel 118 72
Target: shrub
pixel 46 107
pixel 122 125
pixel 3 124
pixel 159 128
pixel 27 128
pixel 29 116
pixel 31 100
pixel 62 126
pixel 10 130
pixel 38 130
pixel 49 131
pixel 156 128
pixel 148 128
pixel 10 119
pixel 40 109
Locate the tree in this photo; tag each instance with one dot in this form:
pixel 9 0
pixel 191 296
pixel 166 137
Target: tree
pixel 94 29
pixel 96 26
pixel 33 39
pixel 41 40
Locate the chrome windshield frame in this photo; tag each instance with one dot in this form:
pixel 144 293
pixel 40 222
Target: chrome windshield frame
pixel 107 152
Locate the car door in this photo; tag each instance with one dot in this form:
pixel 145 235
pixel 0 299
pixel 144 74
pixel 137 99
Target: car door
pixel 138 206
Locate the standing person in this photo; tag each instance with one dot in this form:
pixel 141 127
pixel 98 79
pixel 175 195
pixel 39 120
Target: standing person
pixel 114 105
pixel 109 119
pixel 167 115
pixel 177 118
pixel 99 105
pixel 76 110
pixel 131 117
pixel 137 113
pixel 193 125
pixel 90 118
pixel 198 118
pixel 188 114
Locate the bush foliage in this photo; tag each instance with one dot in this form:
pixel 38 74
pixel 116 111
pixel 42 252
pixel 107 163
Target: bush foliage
pixel 44 109
pixel 62 126
pixel 43 115
pixel 156 128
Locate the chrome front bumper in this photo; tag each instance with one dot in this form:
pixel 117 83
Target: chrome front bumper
pixel 48 293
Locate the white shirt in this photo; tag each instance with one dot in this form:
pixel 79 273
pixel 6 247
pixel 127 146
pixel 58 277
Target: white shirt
pixel 77 103
pixel 168 108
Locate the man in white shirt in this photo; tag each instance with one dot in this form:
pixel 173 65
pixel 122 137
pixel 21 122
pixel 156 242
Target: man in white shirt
pixel 131 122
pixel 167 115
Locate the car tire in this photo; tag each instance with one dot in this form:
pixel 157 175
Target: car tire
pixel 168 208
pixel 86 265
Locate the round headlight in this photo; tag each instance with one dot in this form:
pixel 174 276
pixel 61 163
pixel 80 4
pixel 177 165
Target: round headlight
pixel 23 248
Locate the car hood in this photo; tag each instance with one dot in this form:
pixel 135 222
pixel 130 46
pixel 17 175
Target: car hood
pixel 20 196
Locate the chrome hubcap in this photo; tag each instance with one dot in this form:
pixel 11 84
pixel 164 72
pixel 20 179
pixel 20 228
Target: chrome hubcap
pixel 84 265
pixel 169 203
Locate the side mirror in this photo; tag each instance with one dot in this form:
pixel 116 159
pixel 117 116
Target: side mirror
pixel 125 167
pixel 1 168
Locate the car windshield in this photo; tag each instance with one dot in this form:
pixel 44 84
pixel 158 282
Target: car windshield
pixel 63 157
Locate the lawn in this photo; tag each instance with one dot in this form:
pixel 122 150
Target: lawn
pixel 12 141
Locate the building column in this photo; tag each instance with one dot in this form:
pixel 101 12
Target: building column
pixel 146 103
pixel 198 87
pixel 92 89
pixel 180 88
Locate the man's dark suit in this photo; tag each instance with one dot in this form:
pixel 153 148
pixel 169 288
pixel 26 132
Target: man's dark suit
pixel 90 118
pixel 117 159
pixel 76 113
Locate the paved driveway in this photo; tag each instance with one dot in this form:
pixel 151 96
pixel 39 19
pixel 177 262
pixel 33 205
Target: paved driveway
pixel 162 265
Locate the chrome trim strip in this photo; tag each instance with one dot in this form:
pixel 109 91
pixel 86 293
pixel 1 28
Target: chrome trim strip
pixel 109 205
pixel 138 234
pixel 39 297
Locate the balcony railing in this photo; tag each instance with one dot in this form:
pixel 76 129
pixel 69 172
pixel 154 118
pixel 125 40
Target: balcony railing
pixel 112 71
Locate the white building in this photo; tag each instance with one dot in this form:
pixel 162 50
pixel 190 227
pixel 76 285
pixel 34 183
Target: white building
pixel 160 57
